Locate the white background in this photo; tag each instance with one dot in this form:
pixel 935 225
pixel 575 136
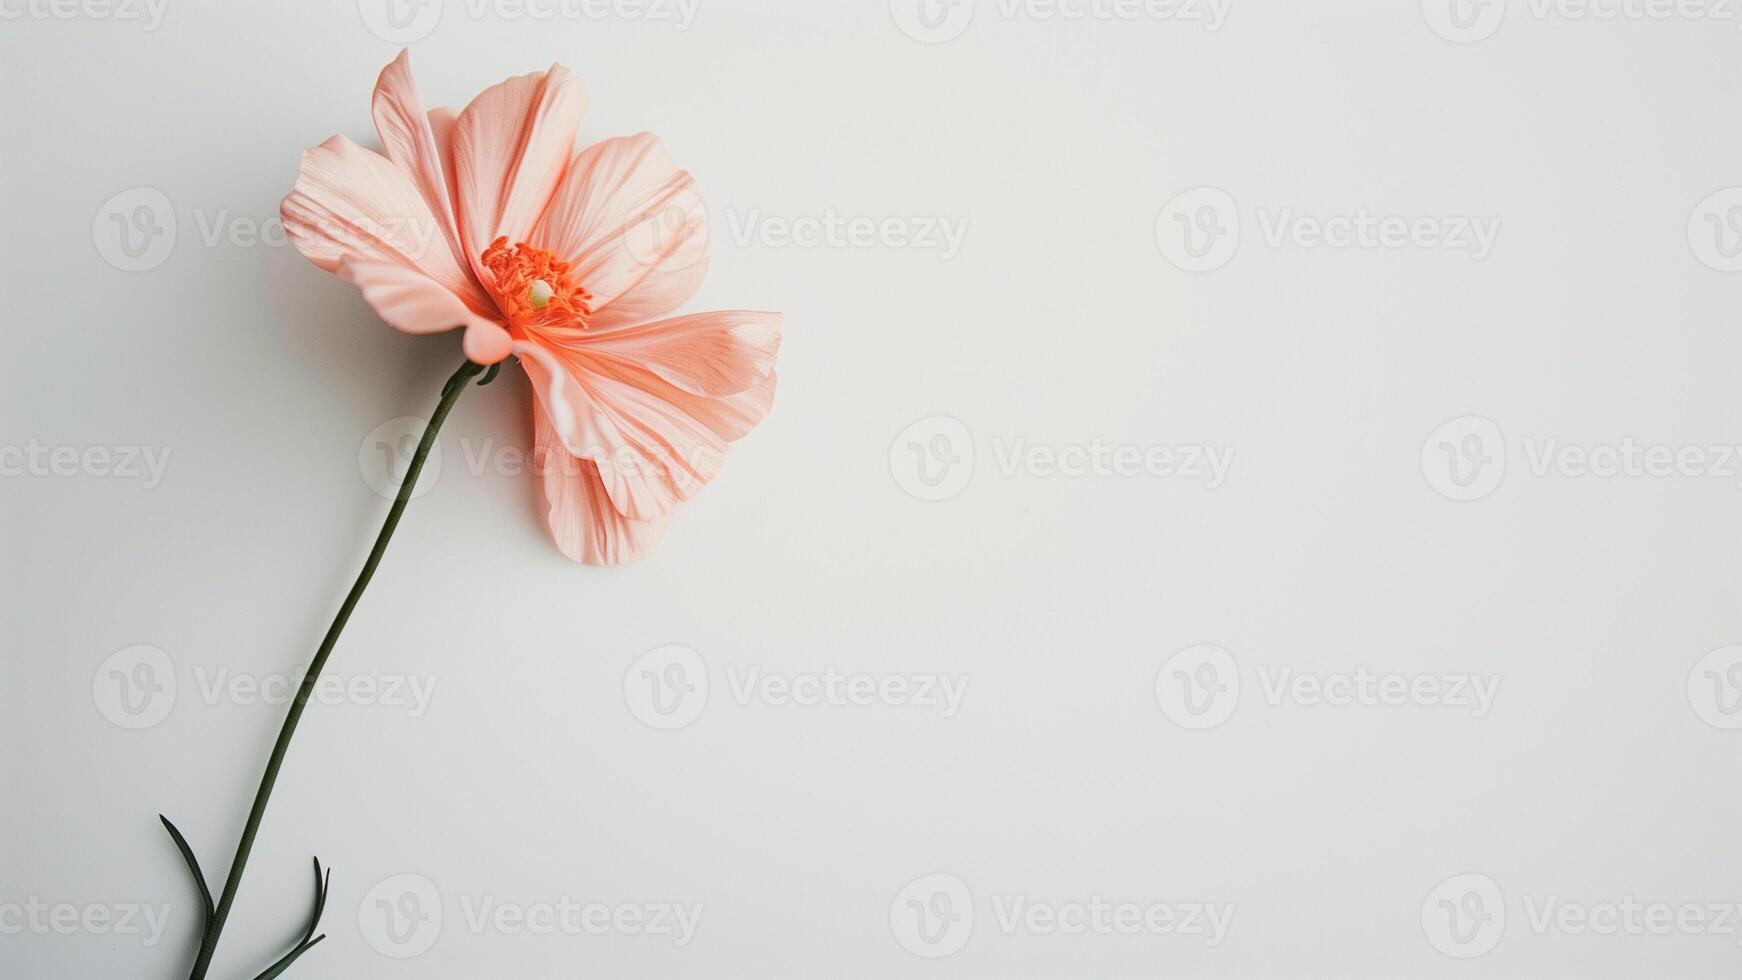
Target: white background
pixel 1598 773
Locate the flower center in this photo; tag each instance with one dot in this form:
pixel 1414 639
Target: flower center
pixel 534 288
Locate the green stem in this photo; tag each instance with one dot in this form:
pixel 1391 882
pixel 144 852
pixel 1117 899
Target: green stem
pixel 209 940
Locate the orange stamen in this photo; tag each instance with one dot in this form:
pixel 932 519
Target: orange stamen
pixel 519 270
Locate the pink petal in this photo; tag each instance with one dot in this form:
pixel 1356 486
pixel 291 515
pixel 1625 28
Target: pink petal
pixel 442 121
pixel 561 398
pixel 655 406
pixel 646 469
pixel 658 453
pixel 632 224
pixel 717 353
pixel 733 416
pixel 411 301
pixel 586 527
pixel 353 203
pixel 486 343
pixel 657 445
pixel 510 148
pixel 413 144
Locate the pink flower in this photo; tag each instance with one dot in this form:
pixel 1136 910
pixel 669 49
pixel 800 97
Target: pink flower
pixel 488 220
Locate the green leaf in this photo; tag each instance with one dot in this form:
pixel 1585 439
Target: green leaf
pixel 289 958
pixel 323 885
pixel 187 854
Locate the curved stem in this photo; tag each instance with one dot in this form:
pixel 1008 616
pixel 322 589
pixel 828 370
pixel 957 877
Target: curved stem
pixel 214 927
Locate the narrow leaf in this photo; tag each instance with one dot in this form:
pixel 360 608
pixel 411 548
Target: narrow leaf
pixel 322 886
pixel 289 958
pixel 187 854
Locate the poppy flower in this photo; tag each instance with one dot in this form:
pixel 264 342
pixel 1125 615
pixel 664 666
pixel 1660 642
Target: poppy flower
pixel 487 220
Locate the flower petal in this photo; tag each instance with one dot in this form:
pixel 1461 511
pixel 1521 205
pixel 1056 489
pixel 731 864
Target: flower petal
pixel 644 473
pixel 655 406
pixel 717 353
pixel 411 301
pixel 586 527
pixel 510 148
pixel 562 399
pixel 353 203
pixel 412 143
pixel 632 225
pixel 656 445
pixel 658 451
